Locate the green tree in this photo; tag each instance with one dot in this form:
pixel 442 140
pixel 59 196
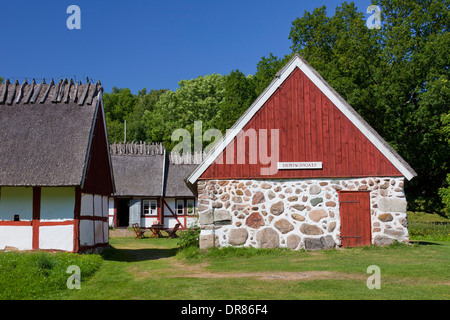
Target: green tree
pixel 395 77
pixel 239 93
pixel 119 104
pixel 136 129
pixel 194 100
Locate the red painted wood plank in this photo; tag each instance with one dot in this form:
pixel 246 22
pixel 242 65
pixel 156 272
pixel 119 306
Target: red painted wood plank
pixel 311 128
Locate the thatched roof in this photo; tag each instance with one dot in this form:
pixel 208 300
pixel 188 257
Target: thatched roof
pixel 45 131
pixel 175 185
pixel 146 170
pixel 138 175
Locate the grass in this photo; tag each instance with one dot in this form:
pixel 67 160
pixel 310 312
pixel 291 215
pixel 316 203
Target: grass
pixel 155 269
pixel 424 226
pixel 41 275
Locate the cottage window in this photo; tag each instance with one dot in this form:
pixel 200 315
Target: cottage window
pixel 179 207
pixel 191 207
pixel 150 207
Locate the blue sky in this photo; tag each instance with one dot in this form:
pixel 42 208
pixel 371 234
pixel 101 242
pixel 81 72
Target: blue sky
pixel 152 44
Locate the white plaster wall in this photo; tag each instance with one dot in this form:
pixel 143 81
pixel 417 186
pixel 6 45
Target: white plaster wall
pixel 16 200
pixel 86 233
pixel 105 206
pixel 20 237
pixel 98 211
pixel 111 212
pixel 87 205
pixel 169 219
pixel 148 221
pixel 105 232
pixel 192 222
pixel 98 232
pixel 56 237
pixel 57 203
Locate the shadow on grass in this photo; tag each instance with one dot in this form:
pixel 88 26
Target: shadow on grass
pixel 135 255
pixel 424 243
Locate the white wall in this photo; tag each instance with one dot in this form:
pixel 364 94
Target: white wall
pixel 16 200
pixel 20 237
pixel 56 237
pixel 57 204
pixel 93 232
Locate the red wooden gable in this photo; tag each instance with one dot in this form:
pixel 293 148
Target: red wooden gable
pixel 311 129
pixel 98 178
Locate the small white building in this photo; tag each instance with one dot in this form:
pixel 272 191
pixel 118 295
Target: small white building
pixel 55 168
pixel 150 187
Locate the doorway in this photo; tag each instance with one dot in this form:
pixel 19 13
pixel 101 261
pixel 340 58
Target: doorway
pixel 356 227
pixel 123 212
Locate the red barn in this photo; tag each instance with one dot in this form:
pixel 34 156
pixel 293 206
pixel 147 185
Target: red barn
pixel 301 169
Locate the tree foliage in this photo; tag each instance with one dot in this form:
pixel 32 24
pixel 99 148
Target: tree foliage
pixel 395 77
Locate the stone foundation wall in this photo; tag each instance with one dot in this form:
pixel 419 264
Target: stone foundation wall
pixel 294 214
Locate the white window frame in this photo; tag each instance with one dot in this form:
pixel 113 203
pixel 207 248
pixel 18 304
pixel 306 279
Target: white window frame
pixel 190 207
pixel 177 210
pixel 149 211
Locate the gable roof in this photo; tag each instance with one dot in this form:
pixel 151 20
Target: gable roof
pixel 298 62
pixel 146 170
pixel 46 131
pixel 138 175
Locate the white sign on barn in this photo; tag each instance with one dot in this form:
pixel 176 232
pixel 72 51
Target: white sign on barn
pixel 299 165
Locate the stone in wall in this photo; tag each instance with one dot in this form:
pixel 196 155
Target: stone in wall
pixel 268 238
pixel 321 243
pixel 292 241
pixel 206 241
pixel 238 236
pixel 283 226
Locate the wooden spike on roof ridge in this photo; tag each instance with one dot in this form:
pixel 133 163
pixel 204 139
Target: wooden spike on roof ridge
pixel 91 97
pixel 10 98
pixel 5 91
pixel 56 91
pixel 44 97
pixel 84 94
pixel 67 92
pixel 30 92
pixel 36 92
pixel 61 90
pixel 21 90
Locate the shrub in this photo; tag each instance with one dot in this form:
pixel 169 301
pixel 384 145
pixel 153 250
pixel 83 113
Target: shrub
pixel 189 238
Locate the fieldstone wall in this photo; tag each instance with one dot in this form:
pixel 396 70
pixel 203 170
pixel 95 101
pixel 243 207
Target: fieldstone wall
pixel 294 214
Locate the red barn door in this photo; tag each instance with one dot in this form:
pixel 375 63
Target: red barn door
pixel 355 218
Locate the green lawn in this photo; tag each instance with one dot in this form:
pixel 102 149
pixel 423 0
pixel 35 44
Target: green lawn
pixel 151 269
pixel 156 269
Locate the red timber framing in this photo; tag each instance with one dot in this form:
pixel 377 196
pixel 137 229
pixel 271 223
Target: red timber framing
pixel 76 220
pixel 182 219
pixel 36 216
